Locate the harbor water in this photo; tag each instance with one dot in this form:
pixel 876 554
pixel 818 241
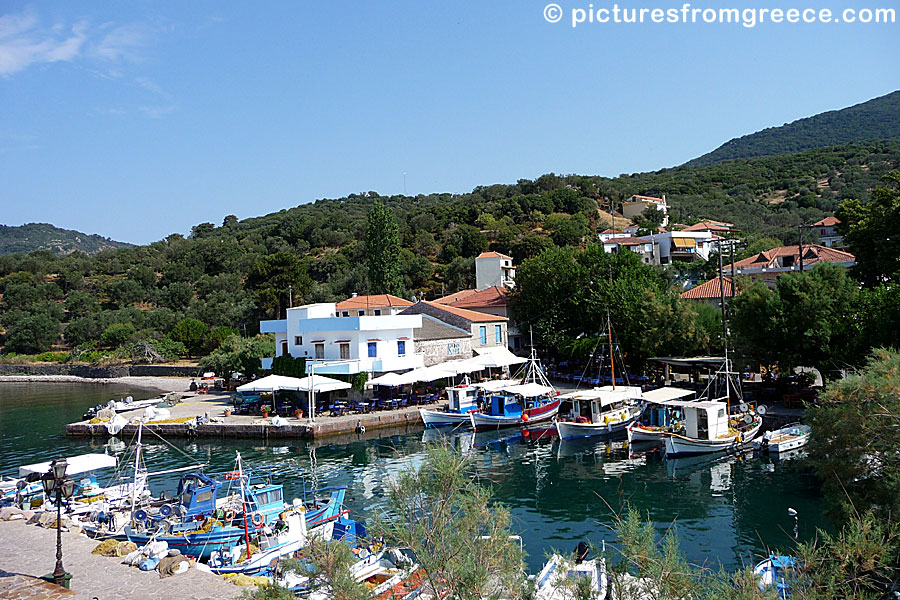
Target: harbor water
pixel 727 510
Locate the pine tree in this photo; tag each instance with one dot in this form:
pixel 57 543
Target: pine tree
pixel 383 251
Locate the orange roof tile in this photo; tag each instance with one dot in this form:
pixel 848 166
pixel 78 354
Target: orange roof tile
pixel 812 253
pixel 627 241
pixel 827 222
pixel 469 315
pixel 492 296
pixel 709 226
pixel 455 296
pixel 639 198
pixel 374 301
pixel 709 290
pixel 493 255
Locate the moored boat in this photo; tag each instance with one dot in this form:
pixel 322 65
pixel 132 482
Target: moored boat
pixel 508 410
pixel 558 578
pixel 661 416
pixel 602 412
pixel 774 572
pixel 783 440
pixel 708 428
pixel 461 401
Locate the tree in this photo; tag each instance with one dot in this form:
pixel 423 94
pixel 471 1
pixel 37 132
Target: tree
pixel 219 334
pixel 117 334
pixel 272 277
pixel 458 534
pixel 32 334
pixel 383 251
pixel 871 232
pixel 239 354
pixel 468 241
pixel 192 333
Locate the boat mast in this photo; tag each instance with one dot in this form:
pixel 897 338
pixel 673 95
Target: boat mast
pixel 137 467
pixel 724 333
pixel 243 504
pixel 612 358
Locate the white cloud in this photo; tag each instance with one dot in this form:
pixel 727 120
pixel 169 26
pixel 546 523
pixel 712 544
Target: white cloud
pixel 122 43
pixel 24 43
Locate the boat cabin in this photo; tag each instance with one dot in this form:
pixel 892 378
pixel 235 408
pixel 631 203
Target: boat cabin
pixel 663 406
pixel 503 405
pixel 462 399
pixel 197 495
pixel 705 420
pixel 600 404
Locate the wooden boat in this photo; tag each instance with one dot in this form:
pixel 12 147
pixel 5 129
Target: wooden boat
pixel 557 579
pixel 708 428
pixel 603 412
pixel 461 400
pixel 783 440
pixel 661 416
pixel 507 410
pixel 774 571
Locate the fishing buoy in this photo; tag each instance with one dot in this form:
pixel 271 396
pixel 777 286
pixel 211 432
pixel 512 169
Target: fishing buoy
pixel 525 417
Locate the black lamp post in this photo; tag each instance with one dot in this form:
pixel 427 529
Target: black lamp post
pixel 55 480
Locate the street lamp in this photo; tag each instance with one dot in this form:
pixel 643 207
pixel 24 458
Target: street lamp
pixel 55 480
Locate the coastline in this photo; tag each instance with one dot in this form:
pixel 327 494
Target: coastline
pixel 163 385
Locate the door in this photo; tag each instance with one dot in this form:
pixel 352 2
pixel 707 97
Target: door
pixel 284 348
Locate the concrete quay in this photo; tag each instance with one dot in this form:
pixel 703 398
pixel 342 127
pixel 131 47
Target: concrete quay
pixel 214 406
pixel 31 552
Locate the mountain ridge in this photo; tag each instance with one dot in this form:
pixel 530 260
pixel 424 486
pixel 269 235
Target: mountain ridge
pixel 19 239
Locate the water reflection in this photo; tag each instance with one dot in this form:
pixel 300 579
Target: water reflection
pixel 559 492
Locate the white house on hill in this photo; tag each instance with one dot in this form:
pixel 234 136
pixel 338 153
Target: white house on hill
pixel 358 343
pixel 493 268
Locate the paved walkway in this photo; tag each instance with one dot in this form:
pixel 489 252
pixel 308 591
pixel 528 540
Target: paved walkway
pixel 31 550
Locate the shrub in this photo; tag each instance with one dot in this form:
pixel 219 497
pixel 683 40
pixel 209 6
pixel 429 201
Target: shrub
pixel 117 334
pixel 32 334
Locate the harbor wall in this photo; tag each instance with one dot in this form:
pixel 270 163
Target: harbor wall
pixel 108 372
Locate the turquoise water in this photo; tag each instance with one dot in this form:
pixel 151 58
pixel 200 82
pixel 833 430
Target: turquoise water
pixel 727 510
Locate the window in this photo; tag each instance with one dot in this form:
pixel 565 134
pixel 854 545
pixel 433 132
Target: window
pixel 320 351
pixel 482 331
pixel 454 348
pixel 822 232
pixel 298 340
pixel 345 351
pixel 377 312
pixel 498 334
pixel 373 349
pixel 346 313
pixel 360 313
pixel 401 348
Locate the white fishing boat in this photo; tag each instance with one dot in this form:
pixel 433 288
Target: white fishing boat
pixel 558 578
pixel 708 428
pixel 783 440
pixel 601 412
pixel 661 416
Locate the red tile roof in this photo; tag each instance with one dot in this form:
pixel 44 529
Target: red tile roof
pixel 626 241
pixel 492 296
pixel 812 253
pixel 612 231
pixel 493 255
pixel 827 222
pixel 469 315
pixel 638 198
pixel 709 290
pixel 709 226
pixel 455 296
pixel 375 301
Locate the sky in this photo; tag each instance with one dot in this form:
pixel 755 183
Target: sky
pixel 139 119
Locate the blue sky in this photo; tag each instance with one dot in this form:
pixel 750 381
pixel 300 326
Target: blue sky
pixel 135 120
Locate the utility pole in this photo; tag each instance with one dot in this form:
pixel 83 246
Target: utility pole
pixel 731 245
pixel 800 245
pixel 290 296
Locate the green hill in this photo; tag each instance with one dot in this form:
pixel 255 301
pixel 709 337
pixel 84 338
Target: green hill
pixel 877 119
pixel 43 236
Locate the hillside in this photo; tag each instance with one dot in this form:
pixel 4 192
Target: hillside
pixel 230 276
pixel 877 119
pixel 43 236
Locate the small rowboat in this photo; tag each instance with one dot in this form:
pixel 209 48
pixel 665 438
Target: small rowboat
pixel 784 439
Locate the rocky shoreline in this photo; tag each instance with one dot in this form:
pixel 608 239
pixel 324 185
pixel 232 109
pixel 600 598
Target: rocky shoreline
pixel 162 385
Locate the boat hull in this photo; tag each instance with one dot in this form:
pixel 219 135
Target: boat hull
pixel 569 430
pixel 439 418
pixel 678 445
pixel 199 545
pixel 638 433
pixel 483 422
pixel 783 440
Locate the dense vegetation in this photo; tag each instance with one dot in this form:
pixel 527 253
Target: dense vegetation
pixel 877 119
pixel 182 296
pixel 43 236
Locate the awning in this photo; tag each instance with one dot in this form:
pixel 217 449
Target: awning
pixel 274 383
pixel 529 390
pixel 388 379
pixel 74 465
pixel 498 356
pixel 666 393
pixel 684 242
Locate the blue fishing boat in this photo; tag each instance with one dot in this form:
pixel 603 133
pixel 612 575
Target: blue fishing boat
pixel 461 401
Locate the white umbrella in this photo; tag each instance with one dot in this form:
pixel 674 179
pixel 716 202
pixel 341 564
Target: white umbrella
pixel 497 356
pixel 389 379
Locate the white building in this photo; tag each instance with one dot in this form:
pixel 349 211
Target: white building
pixel 493 268
pixel 636 205
pixel 359 343
pixel 827 230
pixel 685 246
pixel 643 247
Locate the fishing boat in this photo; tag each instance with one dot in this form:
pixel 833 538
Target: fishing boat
pixel 27 490
pixel 783 440
pixel 519 404
pixel 775 571
pixel 708 428
pixel 661 416
pixel 461 401
pixel 126 404
pixel 558 578
pixel 599 412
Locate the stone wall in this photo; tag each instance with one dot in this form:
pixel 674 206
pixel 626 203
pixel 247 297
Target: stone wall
pixel 436 351
pixel 101 372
